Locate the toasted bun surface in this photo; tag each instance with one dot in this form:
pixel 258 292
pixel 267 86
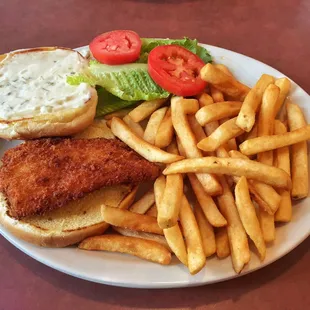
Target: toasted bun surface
pixel 77 220
pixel 45 104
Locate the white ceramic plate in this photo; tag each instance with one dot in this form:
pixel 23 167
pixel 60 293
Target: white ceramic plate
pixel 124 270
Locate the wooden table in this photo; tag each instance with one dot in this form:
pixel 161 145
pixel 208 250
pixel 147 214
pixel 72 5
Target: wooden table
pixel 275 32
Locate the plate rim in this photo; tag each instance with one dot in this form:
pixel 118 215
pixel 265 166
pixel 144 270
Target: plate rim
pixel 159 285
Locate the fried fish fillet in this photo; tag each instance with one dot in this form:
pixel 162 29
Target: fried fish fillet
pixel 46 174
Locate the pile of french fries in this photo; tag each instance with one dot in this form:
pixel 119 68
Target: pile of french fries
pixel 243 153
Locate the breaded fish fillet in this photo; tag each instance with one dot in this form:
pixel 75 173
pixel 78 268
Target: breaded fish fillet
pixel 46 174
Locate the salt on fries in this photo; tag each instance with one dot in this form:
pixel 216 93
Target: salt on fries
pixel 145 249
pixel 237 197
pixel 145 149
pixel 232 166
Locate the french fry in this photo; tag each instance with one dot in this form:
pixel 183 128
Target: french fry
pixel 176 242
pixel 217 111
pixel 284 212
pixel 296 122
pixel 207 204
pixel 109 122
pixel 223 82
pixel 216 94
pixel 153 125
pixel 134 221
pixel 143 235
pixel 240 252
pixel 145 249
pixel 204 99
pixel 173 148
pixel 145 149
pixel 266 222
pixel 196 128
pixel 120 113
pixel 144 203
pixel 145 109
pixel 224 69
pixel 266 118
pixel 173 234
pixel 136 127
pixel 188 140
pixel 206 231
pixel 129 199
pixel 248 216
pixel 152 211
pixel 195 252
pixel 169 207
pixel 282 154
pixel 220 136
pixel 263 194
pixel 165 131
pixel 268 143
pixel 222 243
pixel 284 85
pixel 246 117
pixel 232 166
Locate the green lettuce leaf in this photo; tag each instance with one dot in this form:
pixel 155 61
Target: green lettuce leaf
pixel 192 45
pixel 108 103
pixel 130 82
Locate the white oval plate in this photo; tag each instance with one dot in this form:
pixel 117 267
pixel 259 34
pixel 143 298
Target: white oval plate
pixel 124 270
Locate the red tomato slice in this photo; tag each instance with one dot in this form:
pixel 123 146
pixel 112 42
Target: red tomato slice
pixel 116 47
pixel 176 70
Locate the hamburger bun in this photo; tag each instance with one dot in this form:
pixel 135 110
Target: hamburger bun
pixel 35 99
pixel 77 220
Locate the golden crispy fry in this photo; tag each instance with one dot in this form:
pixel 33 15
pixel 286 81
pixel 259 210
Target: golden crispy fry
pixel 284 85
pixel 145 249
pixel 136 127
pixel 145 109
pixel 195 253
pixel 120 113
pixel 169 207
pixel 248 216
pixel 173 148
pixel 146 150
pixel 267 143
pixel 216 94
pixel 176 242
pixel 246 117
pixel 224 69
pixel 142 235
pixel 130 220
pixel 153 125
pixel 232 166
pixel 223 82
pixel 188 140
pixel 266 222
pixel 282 154
pixel 144 203
pixel 220 136
pixel 196 128
pixel 207 204
pixel 217 111
pixel 284 212
pixel 165 131
pixel 204 99
pixel 152 211
pixel 222 242
pixel 300 170
pixel 206 231
pixel 266 118
pixel 173 234
pixel 263 194
pixel 240 252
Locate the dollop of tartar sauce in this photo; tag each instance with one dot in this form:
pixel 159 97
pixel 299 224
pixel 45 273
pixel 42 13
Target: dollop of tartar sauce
pixel 35 83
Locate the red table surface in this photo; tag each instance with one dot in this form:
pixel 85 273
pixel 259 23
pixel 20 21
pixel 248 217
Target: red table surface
pixel 274 32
